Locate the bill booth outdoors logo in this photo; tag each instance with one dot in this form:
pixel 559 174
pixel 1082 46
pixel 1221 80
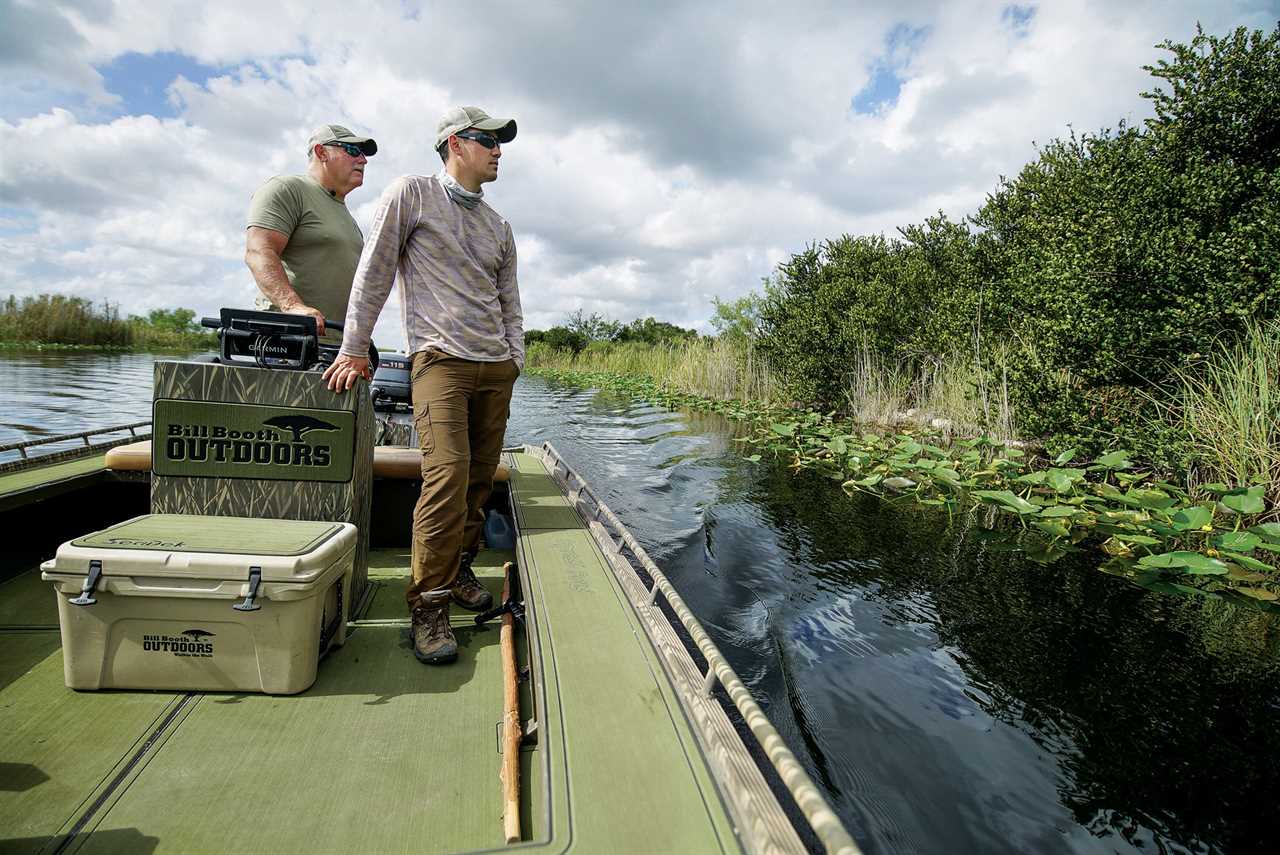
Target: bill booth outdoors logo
pixel 220 444
pixel 189 642
pixel 224 439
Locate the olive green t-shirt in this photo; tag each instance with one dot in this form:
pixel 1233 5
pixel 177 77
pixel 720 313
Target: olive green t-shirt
pixel 324 240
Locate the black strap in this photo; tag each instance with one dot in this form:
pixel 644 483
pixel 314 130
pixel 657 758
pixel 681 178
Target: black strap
pixel 328 629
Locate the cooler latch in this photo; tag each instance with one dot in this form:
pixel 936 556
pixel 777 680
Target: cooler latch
pixel 255 579
pixel 90 582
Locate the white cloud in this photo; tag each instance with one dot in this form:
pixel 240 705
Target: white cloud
pixel 668 153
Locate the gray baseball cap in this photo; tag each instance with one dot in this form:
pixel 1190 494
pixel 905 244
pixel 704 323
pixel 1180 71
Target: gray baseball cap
pixel 326 134
pixel 460 118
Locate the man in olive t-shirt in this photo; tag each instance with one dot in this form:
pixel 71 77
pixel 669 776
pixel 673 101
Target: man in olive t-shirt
pixel 302 244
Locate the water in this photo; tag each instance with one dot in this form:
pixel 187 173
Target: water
pixel 52 393
pixel 946 693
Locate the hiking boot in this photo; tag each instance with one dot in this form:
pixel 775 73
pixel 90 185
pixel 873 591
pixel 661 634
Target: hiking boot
pixel 433 641
pixel 467 590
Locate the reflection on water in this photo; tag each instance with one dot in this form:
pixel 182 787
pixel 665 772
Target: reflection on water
pixel 50 393
pixel 948 694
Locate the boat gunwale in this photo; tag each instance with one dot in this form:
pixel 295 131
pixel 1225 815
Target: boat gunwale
pixel 25 461
pixel 821 818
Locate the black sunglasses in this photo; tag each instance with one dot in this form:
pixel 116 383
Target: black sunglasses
pixel 486 140
pixel 349 148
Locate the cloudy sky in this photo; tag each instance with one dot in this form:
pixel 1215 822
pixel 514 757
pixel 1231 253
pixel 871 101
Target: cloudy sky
pixel 669 152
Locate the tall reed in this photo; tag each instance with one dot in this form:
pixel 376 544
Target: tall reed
pixel 58 319
pixel 1229 407
pixel 963 394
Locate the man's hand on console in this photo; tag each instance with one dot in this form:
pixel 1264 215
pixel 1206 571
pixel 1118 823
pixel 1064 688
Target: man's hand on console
pixel 304 309
pixel 342 374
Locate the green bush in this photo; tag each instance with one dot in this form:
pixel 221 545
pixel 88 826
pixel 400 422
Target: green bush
pixel 1125 255
pixel 58 319
pixel 910 303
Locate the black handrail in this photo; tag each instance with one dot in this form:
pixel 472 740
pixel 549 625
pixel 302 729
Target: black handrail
pixel 21 447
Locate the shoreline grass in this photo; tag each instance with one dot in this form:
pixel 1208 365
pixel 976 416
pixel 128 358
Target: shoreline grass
pixel 715 368
pixel 59 322
pixel 953 396
pixel 1217 540
pixel 1228 407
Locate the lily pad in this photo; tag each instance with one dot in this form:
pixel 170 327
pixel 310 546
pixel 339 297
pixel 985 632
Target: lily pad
pixel 1269 531
pixel 1043 551
pixel 788 429
pixel 1156 500
pixel 1246 561
pixel 1153 582
pixel 1064 457
pixel 1053 528
pixel 1140 539
pixel 1005 499
pixel 1244 501
pixel 1259 594
pixel 1237 541
pixel 1063 480
pixel 944 474
pixel 1192 562
pixel 1240 574
pixel 1194 517
pixel 1114 460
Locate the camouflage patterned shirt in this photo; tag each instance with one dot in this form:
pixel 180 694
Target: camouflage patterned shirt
pixel 457 273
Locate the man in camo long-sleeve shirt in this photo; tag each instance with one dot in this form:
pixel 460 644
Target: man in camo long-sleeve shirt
pixel 456 263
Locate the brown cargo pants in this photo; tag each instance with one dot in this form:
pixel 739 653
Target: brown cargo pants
pixel 460 409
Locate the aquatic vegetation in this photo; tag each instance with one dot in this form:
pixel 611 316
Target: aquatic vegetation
pixel 1217 540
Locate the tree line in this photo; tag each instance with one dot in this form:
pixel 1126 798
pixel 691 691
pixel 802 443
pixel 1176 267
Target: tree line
pixel 580 330
pixel 1087 285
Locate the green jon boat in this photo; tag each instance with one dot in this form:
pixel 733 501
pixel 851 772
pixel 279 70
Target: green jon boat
pixel 620 726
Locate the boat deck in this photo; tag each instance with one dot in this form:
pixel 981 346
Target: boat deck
pixel 382 754
pixel 27 485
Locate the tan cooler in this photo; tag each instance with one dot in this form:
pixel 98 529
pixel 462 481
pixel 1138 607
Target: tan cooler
pixel 178 602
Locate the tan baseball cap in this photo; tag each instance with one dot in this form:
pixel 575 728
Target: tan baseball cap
pixel 326 134
pixel 460 118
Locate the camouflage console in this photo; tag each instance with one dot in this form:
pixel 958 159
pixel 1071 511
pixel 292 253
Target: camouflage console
pixel 247 441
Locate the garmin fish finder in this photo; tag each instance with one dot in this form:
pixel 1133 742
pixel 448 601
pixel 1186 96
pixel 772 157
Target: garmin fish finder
pixel 275 340
pixel 266 339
